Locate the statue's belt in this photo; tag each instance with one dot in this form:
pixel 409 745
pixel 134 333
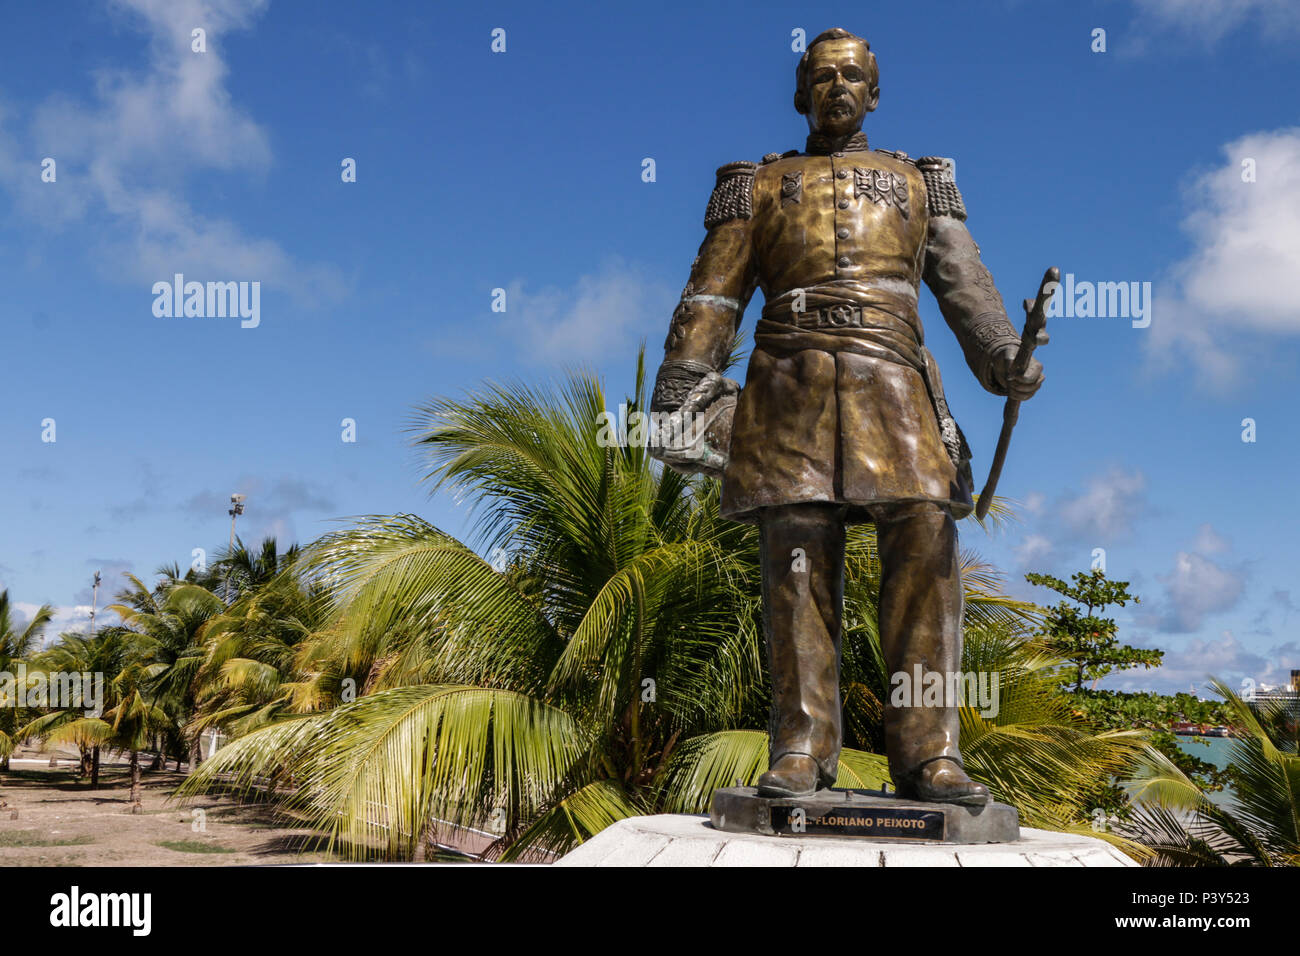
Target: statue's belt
pixel 844 318
pixel 890 341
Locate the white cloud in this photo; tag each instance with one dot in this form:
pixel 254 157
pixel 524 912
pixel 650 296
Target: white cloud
pixel 1212 19
pixel 599 315
pixel 74 618
pixel 1238 278
pixel 279 496
pixel 1075 523
pixel 1209 541
pixel 1035 550
pixel 1248 233
pixel 123 158
pixel 1108 508
pixel 269 511
pixel 1189 664
pixel 1196 588
pixel 1279 605
pixel 113 572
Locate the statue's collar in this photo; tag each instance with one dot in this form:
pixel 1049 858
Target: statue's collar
pixel 819 144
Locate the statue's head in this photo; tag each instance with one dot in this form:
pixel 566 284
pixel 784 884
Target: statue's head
pixel 835 83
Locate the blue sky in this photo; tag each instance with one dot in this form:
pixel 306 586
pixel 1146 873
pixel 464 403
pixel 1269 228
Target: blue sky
pixel 522 170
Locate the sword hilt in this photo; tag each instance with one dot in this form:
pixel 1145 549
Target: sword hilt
pixel 1035 333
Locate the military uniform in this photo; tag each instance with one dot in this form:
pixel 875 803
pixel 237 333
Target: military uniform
pixel 842 417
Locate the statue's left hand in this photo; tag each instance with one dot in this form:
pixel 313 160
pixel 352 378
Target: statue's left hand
pixel 1022 387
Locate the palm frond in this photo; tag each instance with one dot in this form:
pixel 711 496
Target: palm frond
pixel 375 773
pixel 571 820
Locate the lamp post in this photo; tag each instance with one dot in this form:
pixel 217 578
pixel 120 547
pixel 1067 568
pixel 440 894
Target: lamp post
pixel 94 604
pixel 236 509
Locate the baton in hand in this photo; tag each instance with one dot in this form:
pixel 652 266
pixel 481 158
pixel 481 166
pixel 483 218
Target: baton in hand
pixel 1033 335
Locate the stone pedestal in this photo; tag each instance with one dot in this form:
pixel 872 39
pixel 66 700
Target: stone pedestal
pixel 861 814
pixel 684 840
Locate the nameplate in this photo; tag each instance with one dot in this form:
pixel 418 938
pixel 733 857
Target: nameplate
pixel 895 824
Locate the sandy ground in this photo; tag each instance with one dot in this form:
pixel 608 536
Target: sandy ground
pixel 48 818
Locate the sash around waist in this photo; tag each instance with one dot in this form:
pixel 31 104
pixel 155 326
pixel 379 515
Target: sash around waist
pixel 885 323
pixel 896 297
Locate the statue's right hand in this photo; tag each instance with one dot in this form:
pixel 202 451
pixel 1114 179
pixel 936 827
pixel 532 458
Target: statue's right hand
pixel 695 438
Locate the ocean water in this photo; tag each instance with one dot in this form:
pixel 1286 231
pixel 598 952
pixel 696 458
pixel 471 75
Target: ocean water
pixel 1213 750
pixel 1210 749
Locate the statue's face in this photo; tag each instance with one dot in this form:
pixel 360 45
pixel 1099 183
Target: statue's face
pixel 839 91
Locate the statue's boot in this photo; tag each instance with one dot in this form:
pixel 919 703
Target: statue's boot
pixel 793 775
pixel 920 633
pixel 802 554
pixel 942 780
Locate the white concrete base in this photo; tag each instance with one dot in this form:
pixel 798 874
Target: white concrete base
pixel 684 840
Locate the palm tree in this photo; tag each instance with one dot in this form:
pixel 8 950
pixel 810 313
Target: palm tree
pixel 16 645
pixel 603 660
pixel 171 628
pixel 132 724
pixel 131 720
pixel 1261 824
pixel 111 652
pixel 241 572
pixel 248 676
pixel 141 597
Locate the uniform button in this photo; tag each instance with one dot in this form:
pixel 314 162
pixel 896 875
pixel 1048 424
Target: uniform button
pixel 843 204
pixel 841 174
pixel 843 262
pixel 838 155
pixel 842 233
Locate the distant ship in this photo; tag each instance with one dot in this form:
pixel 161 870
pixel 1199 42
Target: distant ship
pixel 1286 698
pixel 1185 729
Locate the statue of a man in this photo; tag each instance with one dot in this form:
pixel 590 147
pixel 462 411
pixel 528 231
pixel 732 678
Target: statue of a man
pixel 842 417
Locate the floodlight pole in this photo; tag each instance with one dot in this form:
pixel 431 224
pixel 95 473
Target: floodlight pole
pixel 236 509
pixel 94 604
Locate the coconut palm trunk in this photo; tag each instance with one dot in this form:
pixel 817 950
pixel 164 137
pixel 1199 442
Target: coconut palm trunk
pixel 135 776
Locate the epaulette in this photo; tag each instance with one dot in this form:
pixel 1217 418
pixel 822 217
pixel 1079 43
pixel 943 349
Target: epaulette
pixel 773 157
pixel 896 153
pixel 941 188
pixel 733 196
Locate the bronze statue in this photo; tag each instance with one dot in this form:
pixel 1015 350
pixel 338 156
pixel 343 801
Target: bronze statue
pixel 842 417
